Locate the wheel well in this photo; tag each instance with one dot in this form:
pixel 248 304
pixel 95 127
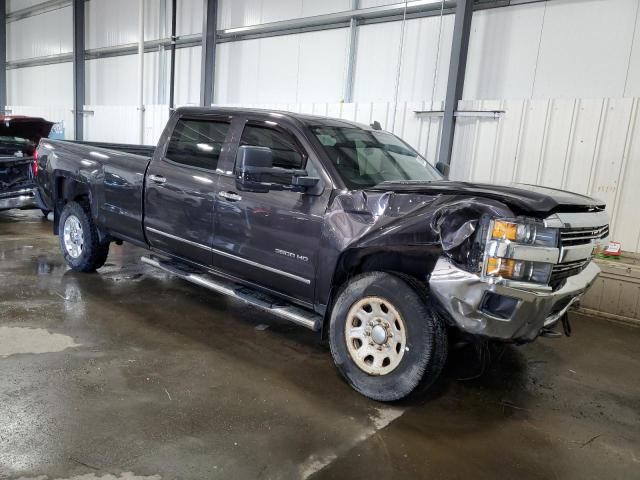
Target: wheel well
pixel 415 261
pixel 67 190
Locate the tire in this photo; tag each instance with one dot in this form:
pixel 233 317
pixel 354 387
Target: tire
pixel 420 344
pixel 79 240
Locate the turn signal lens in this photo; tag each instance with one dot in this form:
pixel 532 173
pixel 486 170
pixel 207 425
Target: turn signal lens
pixel 520 270
pixel 505 230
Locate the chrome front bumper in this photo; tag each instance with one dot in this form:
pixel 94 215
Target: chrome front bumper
pixel 24 198
pixel 462 293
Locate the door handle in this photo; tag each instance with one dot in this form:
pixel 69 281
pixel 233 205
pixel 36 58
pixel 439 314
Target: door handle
pixel 157 179
pixel 231 196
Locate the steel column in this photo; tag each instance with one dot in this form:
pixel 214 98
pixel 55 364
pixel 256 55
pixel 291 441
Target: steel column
pixel 455 82
pixel 352 52
pixel 208 52
pixel 78 69
pixel 3 56
pixel 172 75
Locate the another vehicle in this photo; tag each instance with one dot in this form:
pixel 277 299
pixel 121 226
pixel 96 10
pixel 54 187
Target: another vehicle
pixel 19 137
pixel 336 226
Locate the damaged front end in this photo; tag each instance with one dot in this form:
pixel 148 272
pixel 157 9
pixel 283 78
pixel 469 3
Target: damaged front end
pixel 501 276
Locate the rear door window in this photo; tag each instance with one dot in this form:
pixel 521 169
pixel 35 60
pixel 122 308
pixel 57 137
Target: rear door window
pixel 197 143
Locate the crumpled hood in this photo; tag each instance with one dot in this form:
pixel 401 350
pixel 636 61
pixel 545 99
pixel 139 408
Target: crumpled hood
pixel 522 198
pixel 31 128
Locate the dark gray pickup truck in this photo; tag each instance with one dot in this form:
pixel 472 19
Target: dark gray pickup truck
pixel 336 226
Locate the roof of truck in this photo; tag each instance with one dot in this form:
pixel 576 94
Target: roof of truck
pixel 303 118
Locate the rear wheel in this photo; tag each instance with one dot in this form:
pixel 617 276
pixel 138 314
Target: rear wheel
pixel 79 239
pixel 385 339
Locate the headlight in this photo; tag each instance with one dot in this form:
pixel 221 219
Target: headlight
pixel 525 233
pixel 520 250
pixel 518 270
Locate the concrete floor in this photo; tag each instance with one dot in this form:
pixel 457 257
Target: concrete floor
pixel 130 370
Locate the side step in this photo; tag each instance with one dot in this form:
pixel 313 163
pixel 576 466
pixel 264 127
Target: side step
pixel 252 297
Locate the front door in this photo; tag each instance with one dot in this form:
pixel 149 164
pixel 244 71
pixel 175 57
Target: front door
pixel 181 187
pixel 272 238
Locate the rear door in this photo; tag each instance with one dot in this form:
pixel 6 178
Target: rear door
pixel 272 238
pixel 181 184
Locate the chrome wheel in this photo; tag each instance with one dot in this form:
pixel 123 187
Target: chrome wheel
pixel 376 336
pixel 73 236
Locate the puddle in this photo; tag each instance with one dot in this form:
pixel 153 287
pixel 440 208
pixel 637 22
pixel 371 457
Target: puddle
pixel 20 340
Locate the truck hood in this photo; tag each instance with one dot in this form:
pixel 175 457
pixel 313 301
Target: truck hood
pixel 520 197
pixel 31 128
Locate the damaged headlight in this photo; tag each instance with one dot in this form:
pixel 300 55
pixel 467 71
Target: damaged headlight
pixel 519 270
pixel 520 250
pixel 525 233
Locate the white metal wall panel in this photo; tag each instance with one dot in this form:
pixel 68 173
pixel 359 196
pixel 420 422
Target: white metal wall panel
pixel 188 67
pixel 232 13
pixel 292 68
pixel 585 48
pixel 40 35
pixel 377 62
pixel 115 22
pixel 632 82
pixel 503 51
pixel 44 86
pixel 119 124
pixel 189 16
pixel 425 59
pixel 113 80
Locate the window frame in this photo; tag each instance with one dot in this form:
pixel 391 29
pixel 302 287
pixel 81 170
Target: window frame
pixel 204 118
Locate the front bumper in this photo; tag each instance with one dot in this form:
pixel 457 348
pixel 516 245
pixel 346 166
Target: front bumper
pixel 461 295
pixel 23 198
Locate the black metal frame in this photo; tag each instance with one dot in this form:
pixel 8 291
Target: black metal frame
pixel 208 52
pixel 78 69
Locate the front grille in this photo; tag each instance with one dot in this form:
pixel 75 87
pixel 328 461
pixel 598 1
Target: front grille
pixel 565 270
pixel 581 236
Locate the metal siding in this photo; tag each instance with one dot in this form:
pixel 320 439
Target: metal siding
pixel 13 5
pixel 585 48
pixel 41 35
pixel 503 51
pixel 25 86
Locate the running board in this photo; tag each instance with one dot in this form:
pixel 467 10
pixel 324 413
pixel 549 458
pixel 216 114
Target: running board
pixel 252 297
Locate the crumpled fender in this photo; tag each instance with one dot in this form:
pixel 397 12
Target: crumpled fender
pixel 391 221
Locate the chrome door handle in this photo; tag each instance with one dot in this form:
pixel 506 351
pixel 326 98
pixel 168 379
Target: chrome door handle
pixel 157 178
pixel 231 196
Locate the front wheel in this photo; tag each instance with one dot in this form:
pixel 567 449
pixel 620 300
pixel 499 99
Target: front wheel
pixel 79 239
pixel 384 338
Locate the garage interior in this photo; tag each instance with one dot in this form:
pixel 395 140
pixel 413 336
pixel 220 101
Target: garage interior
pixel 131 373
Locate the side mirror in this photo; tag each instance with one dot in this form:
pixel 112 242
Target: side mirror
pixel 255 173
pixel 443 168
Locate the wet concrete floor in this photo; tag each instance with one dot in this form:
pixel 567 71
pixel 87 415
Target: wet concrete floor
pixel 130 373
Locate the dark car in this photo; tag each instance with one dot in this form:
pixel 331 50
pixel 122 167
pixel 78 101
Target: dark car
pixel 336 226
pixel 19 138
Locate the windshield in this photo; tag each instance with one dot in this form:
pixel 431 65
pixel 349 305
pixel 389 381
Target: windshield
pixel 366 158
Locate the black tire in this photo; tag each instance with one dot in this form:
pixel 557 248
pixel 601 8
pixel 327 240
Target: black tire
pixel 93 254
pixel 426 337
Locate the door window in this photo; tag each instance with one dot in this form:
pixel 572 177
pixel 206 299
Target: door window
pixel 197 143
pixel 286 153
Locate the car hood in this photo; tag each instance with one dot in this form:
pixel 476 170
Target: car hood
pixel 520 197
pixel 31 128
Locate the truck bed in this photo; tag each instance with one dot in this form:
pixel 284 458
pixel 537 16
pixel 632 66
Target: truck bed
pixel 112 173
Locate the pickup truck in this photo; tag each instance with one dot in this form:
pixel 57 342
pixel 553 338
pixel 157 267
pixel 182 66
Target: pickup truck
pixel 339 227
pixel 19 137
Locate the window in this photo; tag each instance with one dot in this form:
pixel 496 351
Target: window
pixel 365 158
pixel 286 153
pixel 197 143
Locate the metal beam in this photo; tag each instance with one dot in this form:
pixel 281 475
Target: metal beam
pixel 78 69
pixel 3 55
pixel 352 49
pixel 455 82
pixel 37 9
pixel 209 26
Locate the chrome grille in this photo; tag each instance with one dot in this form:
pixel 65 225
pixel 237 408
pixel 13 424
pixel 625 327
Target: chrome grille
pixel 581 236
pixel 565 270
